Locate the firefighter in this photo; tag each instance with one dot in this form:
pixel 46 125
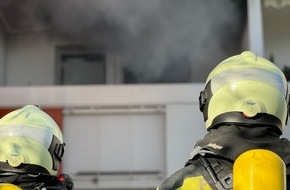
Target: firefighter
pixel 245 107
pixel 31 150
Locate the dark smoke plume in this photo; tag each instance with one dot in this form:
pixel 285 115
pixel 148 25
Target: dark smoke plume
pixel 161 40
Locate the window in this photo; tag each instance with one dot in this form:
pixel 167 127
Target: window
pixel 78 65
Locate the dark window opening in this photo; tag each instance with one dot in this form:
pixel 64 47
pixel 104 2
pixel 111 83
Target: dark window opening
pixel 79 66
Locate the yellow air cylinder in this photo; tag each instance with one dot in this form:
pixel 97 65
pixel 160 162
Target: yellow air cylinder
pixel 259 169
pixel 8 186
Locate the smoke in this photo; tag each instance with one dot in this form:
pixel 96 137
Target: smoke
pixel 160 40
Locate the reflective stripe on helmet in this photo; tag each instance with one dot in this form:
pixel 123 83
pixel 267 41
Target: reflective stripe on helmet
pixel 253 74
pixel 36 134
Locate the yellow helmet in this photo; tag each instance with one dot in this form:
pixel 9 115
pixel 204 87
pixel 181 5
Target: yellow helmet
pixel 8 186
pixel 30 142
pixel 245 89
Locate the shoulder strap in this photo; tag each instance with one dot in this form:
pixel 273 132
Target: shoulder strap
pixel 219 171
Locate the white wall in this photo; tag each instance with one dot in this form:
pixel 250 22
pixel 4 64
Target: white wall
pixel 184 121
pixel 103 145
pixel 114 142
pixel 277 35
pixel 2 57
pixel 29 57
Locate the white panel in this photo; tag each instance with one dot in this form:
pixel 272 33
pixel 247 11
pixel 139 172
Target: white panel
pixel 148 137
pixel 184 126
pixel 255 27
pixel 114 143
pixel 81 137
pixel 115 139
pixel 101 95
pixel 2 57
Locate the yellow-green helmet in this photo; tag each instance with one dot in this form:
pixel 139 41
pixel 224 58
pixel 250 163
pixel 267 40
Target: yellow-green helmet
pixel 30 142
pixel 245 89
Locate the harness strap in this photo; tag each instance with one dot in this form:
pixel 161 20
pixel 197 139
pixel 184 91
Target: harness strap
pixel 220 174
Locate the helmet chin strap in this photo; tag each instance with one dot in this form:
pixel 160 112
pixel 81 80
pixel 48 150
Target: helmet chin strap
pixel 204 99
pixel 56 151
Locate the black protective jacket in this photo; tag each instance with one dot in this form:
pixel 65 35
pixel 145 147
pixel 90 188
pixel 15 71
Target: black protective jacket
pixel 211 160
pixel 37 181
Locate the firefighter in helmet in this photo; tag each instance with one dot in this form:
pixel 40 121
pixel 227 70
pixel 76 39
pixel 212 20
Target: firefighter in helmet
pixel 31 149
pixel 245 107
